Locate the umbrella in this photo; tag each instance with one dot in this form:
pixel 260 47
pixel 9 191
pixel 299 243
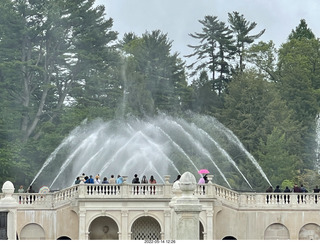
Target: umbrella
pixel 203 171
pixel 44 189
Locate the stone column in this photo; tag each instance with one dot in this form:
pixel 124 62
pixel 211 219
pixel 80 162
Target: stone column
pixel 185 222
pixel 124 225
pixel 83 235
pixel 209 230
pixel 9 204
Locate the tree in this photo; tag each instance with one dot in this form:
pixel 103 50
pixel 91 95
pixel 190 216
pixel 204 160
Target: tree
pixel 205 99
pixel 215 49
pixel 152 67
pixel 301 32
pixel 241 27
pixel 264 56
pixel 59 44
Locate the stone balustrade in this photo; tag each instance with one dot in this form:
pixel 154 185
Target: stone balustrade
pixel 164 191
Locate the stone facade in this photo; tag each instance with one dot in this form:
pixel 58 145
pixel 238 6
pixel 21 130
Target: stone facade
pixel 184 210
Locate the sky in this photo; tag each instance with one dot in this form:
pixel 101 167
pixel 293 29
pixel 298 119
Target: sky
pixel 179 18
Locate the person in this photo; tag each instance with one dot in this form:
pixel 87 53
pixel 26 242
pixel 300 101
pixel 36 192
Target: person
pixel 152 180
pixel 296 188
pixel 144 180
pixel 30 190
pixel 205 179
pixel 303 189
pixel 287 189
pixel 21 190
pixel 119 180
pixel 89 180
pixel 269 189
pixel 286 197
pixel 97 180
pixel 135 180
pixel 277 189
pixel 201 181
pixel 77 181
pixel 316 190
pixel 112 180
pixel 82 177
pixel 105 181
pixel 178 178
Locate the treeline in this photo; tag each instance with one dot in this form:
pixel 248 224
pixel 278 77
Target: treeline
pixel 61 62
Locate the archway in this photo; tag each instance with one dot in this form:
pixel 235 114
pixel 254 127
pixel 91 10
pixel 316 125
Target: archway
pixel 201 231
pixel 276 232
pixel 309 232
pixel 103 228
pixel 64 238
pixel 229 238
pixel 32 232
pixel 146 228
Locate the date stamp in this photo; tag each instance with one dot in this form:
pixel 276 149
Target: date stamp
pixel 159 241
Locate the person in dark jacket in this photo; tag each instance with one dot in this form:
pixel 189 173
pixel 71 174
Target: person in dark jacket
pixel 287 189
pixel 277 189
pixel 135 179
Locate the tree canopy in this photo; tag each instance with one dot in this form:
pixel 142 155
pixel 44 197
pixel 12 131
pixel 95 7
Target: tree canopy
pixel 61 62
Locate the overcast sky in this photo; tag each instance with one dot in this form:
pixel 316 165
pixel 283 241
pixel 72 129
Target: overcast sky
pixel 178 18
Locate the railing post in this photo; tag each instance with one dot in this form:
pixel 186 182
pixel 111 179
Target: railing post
pixel 82 190
pixel 124 188
pixel 167 191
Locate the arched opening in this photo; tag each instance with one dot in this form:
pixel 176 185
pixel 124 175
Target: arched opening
pixel 64 238
pixel 103 228
pixel 276 232
pixel 32 232
pixel 229 238
pixel 309 232
pixel 201 231
pixel 146 228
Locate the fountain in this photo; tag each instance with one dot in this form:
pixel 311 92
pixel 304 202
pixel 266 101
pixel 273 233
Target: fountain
pixel 161 145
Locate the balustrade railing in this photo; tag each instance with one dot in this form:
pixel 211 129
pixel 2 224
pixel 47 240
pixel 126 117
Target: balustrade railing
pixel 204 191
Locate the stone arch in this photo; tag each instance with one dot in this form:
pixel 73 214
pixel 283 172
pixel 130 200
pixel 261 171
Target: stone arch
pixel 201 231
pixel 229 238
pixel 146 228
pixel 103 228
pixel 32 231
pixel 310 231
pixel 64 238
pixel 276 231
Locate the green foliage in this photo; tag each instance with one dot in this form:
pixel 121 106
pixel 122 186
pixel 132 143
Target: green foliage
pixel 302 31
pixel 59 66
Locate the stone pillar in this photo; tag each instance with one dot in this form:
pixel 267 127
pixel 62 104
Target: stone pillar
pixel 9 204
pixel 124 225
pixel 83 235
pixel 209 230
pixel 186 210
pixel 167 225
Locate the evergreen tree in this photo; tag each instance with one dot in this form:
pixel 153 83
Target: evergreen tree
pixel 241 27
pixel 214 52
pixel 58 44
pixel 301 32
pixel 156 70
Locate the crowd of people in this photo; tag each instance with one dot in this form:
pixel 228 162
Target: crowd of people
pixel 295 188
pixel 96 180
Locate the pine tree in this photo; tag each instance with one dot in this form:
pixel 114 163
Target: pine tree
pixel 301 32
pixel 241 27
